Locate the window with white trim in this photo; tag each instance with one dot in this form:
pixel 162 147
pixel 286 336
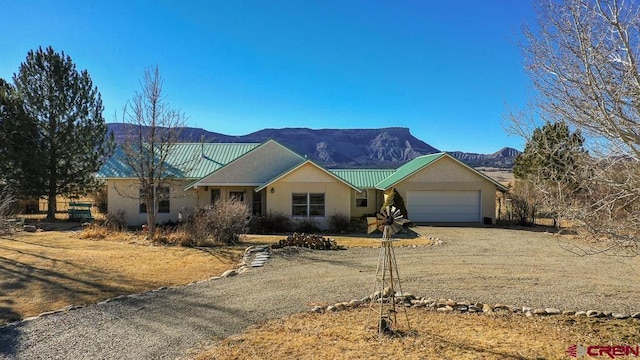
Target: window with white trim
pixel 164 200
pixel 361 198
pixel 238 195
pixel 215 195
pixel 307 205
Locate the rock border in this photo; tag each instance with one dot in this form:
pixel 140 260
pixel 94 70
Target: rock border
pixel 451 306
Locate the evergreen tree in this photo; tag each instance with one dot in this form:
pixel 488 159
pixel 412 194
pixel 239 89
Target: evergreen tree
pixel 551 154
pixel 20 159
pixel 394 199
pixel 67 109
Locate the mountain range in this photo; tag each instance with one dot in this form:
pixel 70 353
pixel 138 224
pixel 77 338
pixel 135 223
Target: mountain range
pixel 343 148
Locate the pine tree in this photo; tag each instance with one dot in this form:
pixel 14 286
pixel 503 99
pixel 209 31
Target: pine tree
pixel 551 153
pixel 20 159
pixel 67 109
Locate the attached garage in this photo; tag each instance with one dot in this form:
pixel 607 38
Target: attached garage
pixel 439 188
pixel 444 206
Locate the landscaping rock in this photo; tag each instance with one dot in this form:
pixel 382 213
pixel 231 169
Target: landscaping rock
pixel 474 309
pixel 568 312
pixel 552 311
pixel 539 312
pixel 486 308
pixel 450 303
pixel 228 273
pixel 580 313
pixel 594 313
pixel 636 315
pixel 620 316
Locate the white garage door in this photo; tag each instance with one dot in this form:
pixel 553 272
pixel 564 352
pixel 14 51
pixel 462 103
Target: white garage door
pixel 443 206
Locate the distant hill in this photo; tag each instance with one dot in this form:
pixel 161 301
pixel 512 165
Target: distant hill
pixel 343 148
pixel 503 158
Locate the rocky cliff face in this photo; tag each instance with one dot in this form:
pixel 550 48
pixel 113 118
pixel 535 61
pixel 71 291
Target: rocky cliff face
pixel 503 158
pixel 343 148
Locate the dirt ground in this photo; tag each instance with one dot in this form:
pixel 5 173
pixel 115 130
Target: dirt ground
pixel 484 264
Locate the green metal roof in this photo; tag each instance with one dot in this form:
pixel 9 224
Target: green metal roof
pixel 408 169
pixel 186 160
pixel 363 178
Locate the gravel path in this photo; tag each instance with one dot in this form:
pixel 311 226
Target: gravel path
pixel 482 264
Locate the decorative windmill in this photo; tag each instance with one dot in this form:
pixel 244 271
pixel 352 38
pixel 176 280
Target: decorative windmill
pixel 389 221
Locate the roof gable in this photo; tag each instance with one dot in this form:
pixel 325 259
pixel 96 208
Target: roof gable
pixel 414 166
pixel 298 167
pixel 408 169
pixel 255 167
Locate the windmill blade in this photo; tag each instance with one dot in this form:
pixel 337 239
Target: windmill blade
pixel 395 228
pixel 372 224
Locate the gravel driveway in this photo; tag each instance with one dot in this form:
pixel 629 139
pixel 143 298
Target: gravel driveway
pixel 474 264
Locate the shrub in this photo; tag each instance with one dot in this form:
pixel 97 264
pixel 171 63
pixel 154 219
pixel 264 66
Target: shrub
pixel 100 199
pixel 339 223
pixel 224 221
pixel 358 226
pixel 174 236
pixel 394 199
pixel 117 221
pixel 524 203
pixel 8 202
pixel 95 231
pixel 7 208
pixel 272 223
pixel 307 225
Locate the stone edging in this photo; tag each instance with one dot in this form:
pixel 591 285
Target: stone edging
pixel 450 306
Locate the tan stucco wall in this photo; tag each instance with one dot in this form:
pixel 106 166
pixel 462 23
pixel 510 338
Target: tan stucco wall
pixel 310 179
pixel 256 167
pixel 374 203
pixel 203 194
pixel 447 174
pixel 124 195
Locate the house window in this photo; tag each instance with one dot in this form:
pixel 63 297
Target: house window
pixel 361 198
pixel 215 195
pixel 257 203
pixel 307 205
pixel 164 200
pixel 238 195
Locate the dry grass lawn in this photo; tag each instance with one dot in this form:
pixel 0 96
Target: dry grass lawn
pixel 50 270
pixel 343 335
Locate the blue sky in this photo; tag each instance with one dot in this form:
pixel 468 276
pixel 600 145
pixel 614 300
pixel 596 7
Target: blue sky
pixel 444 69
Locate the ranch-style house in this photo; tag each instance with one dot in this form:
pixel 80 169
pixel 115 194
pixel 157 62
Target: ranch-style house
pixel 269 177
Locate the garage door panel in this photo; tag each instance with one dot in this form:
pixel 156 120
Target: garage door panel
pixel 443 206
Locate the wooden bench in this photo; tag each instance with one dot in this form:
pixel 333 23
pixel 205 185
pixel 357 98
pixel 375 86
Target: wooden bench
pixel 80 211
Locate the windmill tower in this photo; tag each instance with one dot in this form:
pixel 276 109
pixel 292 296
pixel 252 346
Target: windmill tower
pixel 387 282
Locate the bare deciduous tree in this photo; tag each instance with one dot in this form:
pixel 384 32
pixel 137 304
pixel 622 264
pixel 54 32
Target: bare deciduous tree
pixel 582 57
pixel 7 207
pixel 155 129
